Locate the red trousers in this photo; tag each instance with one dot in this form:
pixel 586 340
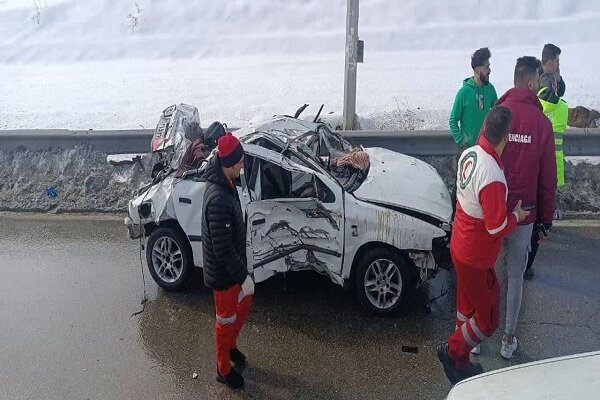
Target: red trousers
pixel 232 307
pixel 477 311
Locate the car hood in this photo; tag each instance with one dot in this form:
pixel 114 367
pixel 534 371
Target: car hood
pixel 402 181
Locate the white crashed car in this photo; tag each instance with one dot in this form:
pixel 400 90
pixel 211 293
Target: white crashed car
pixel 377 227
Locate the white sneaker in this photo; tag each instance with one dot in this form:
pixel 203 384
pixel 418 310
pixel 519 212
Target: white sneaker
pixel 508 349
pixel 557 215
pixel 476 350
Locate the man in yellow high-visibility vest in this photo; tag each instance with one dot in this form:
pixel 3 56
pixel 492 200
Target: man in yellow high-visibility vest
pixel 557 111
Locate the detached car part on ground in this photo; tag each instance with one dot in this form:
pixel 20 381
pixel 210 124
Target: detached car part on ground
pixel 377 224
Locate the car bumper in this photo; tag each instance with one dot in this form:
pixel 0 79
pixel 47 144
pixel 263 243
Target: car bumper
pixel 134 230
pixel 441 252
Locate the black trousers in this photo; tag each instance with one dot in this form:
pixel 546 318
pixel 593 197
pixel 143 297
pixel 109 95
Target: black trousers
pixel 535 242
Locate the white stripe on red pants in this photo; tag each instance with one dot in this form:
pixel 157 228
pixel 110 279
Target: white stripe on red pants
pixel 477 311
pixel 231 307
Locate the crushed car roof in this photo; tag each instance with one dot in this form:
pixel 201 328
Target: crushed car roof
pixel 284 127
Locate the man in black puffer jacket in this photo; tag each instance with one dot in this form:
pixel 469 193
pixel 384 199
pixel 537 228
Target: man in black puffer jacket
pixel 224 248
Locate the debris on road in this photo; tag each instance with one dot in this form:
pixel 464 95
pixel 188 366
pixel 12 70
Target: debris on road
pixel 124 159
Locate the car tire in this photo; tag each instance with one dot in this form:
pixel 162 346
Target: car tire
pixel 382 280
pixel 169 258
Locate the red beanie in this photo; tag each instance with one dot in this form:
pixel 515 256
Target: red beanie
pixel 229 150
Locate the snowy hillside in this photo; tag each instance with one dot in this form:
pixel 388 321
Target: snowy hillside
pixel 118 63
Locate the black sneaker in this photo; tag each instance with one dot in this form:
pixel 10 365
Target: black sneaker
pixel 237 357
pixel 529 274
pixel 453 374
pixel 473 369
pixel 447 363
pixel 233 379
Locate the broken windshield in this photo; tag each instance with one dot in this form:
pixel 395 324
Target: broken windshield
pixel 347 163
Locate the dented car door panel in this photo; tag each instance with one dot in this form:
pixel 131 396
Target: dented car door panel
pixel 291 234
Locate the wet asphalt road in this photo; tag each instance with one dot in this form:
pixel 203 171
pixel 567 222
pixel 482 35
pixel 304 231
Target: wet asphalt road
pixel 68 288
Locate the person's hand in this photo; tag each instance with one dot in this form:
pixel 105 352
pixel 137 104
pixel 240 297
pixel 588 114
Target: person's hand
pixel 543 232
pixel 541 236
pixel 248 286
pixel 198 151
pixel 521 214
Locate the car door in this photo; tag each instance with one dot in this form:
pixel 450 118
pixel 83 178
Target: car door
pixel 295 217
pixel 188 195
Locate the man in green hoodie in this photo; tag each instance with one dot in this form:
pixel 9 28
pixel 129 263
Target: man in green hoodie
pixel 473 101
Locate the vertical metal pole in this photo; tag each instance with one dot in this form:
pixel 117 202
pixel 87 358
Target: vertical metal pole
pixel 351 63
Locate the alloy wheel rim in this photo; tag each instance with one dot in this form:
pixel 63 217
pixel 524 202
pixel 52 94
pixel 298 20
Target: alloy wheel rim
pixel 167 259
pixel 383 283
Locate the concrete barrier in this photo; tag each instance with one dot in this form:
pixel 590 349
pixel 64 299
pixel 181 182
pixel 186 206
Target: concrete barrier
pixel 67 171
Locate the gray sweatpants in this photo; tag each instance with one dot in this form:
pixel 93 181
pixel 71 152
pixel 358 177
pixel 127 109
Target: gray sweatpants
pixel 517 246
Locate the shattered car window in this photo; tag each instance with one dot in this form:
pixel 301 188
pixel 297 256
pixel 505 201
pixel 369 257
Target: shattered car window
pixel 279 183
pixel 303 185
pixel 179 125
pixel 324 193
pixel 348 164
pixel 335 141
pixel 275 181
pixel 251 168
pixel 267 144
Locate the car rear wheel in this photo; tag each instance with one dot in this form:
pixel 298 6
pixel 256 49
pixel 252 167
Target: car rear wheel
pixel 382 280
pixel 169 258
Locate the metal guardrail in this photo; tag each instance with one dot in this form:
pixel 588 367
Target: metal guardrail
pixel 577 142
pixel 112 142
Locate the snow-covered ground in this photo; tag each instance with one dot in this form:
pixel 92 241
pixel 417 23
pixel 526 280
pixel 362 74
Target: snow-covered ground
pixel 106 64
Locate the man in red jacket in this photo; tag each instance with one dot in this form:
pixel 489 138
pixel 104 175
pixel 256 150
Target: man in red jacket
pixel 530 167
pixel 482 220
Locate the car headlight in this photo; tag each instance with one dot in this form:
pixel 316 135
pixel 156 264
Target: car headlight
pixel 145 209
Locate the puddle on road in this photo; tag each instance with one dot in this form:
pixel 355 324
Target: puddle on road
pixel 286 333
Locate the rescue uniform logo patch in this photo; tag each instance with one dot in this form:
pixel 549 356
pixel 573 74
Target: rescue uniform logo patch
pixel 467 167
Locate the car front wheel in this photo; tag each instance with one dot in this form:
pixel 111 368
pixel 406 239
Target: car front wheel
pixel 382 280
pixel 169 258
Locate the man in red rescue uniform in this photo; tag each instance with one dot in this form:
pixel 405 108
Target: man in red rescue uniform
pixel 224 252
pixel 482 219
